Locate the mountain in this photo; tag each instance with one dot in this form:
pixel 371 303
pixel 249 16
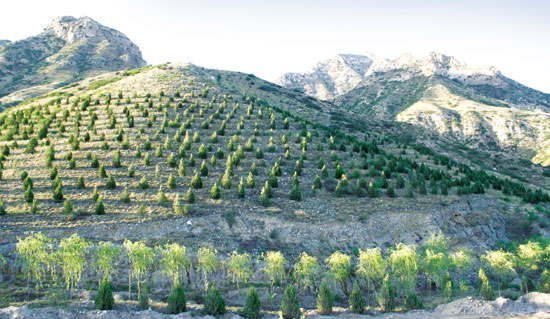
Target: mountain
pixel 68 50
pixel 472 105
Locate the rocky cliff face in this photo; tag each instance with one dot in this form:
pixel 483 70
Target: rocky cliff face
pixel 68 49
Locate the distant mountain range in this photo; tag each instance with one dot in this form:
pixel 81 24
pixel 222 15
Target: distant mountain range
pixel 68 49
pixel 474 105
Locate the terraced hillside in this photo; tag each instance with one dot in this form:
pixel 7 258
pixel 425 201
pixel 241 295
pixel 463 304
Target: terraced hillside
pixel 198 157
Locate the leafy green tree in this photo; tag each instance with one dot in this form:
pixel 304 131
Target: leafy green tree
pixel 104 257
pixel 36 254
pixel 290 305
pixel 356 302
pixel 404 267
pixel 72 257
pixel 274 266
pixel 371 267
pixel 435 265
pixel 140 257
pixel 501 263
pixel 306 270
pixel 529 256
pixel 214 304
pixel 207 263
pixel 251 309
pixel 176 300
pixel 462 261
pixel 239 266
pixel 325 300
pixel 339 265
pixel 173 261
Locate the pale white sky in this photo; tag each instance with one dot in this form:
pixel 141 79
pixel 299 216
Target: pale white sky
pixel 268 38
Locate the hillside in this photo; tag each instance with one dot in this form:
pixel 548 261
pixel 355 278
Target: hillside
pixel 179 154
pixel 69 49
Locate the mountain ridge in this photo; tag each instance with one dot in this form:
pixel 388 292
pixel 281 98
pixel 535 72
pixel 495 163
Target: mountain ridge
pixel 68 49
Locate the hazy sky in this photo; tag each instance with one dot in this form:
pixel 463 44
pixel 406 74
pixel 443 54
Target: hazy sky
pixel 268 38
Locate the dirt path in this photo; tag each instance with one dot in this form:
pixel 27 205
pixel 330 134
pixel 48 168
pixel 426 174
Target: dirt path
pixel 533 305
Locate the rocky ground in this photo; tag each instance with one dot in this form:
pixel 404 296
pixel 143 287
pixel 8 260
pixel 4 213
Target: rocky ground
pixel 532 305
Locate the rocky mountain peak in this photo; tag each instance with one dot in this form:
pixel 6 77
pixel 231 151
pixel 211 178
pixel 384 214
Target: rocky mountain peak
pixel 73 29
pixel 68 49
pixel 330 77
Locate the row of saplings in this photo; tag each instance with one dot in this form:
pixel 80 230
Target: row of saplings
pixel 387 279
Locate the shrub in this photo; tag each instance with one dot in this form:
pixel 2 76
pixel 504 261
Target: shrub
pixel 143 184
pixel 290 306
pixel 196 181
pixel 111 184
pixel 264 198
pixel 125 196
pixel 190 196
pixel 226 180
pixel 2 208
pixel 544 282
pixel 356 301
pixel 99 207
pixel 58 193
pixel 104 299
pixel 29 195
pixel 324 300
pixel 144 301
pixel 295 193
pixel 412 301
pixel 214 304
pixel 204 169
pixel 171 183
pixel 240 188
pixel 386 298
pixel 161 196
pixel 176 300
pixel 485 291
pixel 101 172
pixel 250 181
pixel 215 192
pixel 67 207
pixel 251 309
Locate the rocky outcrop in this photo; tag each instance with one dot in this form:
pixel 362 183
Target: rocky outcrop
pixel 68 49
pixel 331 77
